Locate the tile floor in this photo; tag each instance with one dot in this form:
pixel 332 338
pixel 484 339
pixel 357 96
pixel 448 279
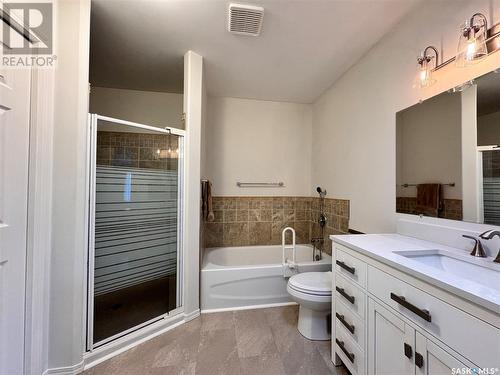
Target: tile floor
pixel 263 341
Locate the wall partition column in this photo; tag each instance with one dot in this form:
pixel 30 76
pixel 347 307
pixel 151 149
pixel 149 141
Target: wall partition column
pixel 135 226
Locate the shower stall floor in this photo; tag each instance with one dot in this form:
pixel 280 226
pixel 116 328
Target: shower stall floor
pixel 121 310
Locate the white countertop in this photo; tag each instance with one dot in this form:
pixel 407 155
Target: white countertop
pixel 385 248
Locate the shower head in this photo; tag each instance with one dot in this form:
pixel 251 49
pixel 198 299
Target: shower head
pixel 321 192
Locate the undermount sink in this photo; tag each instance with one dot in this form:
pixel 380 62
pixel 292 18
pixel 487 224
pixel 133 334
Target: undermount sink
pixel 480 274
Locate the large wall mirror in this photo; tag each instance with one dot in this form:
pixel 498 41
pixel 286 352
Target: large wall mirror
pixel 448 155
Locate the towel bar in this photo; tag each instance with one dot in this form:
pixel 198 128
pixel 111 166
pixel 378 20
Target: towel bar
pixel 408 185
pixel 260 184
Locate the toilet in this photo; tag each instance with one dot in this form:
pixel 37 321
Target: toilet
pixel 313 292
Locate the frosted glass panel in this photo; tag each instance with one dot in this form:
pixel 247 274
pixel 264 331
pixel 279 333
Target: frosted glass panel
pixel 135 228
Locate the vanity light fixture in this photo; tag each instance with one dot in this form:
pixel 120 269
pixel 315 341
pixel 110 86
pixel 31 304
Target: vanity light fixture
pixel 472 43
pixel 426 66
pixel 476 42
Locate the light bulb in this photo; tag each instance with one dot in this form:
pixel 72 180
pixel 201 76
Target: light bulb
pixel 423 76
pixel 471 49
pixel 472 41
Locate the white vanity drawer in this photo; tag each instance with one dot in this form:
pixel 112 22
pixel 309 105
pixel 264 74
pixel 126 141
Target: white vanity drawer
pixel 457 329
pixel 350 323
pixel 349 266
pixel 352 357
pixel 351 294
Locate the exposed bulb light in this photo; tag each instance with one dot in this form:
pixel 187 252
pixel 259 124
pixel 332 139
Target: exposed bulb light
pixel 425 67
pixel 472 42
pixel 471 50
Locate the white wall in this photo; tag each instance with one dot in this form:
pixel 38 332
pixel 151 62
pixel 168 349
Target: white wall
pixel 488 129
pixel 354 121
pixel 258 141
pixel 429 145
pixel 159 109
pixel 193 107
pixel 68 270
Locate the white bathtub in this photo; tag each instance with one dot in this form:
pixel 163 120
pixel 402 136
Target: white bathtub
pixel 250 276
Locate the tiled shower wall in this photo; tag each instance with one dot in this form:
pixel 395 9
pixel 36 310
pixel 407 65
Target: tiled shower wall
pixel 247 221
pixel 138 150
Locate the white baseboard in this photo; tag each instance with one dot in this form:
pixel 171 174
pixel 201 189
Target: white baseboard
pixel 69 370
pixel 192 315
pixel 251 307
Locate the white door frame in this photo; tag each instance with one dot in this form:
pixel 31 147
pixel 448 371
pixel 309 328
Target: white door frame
pixel 90 219
pixel 39 222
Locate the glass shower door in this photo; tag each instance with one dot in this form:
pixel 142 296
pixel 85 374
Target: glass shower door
pixel 135 226
pixel 491 186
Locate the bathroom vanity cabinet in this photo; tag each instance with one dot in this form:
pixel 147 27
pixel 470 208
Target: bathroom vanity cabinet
pixel 386 321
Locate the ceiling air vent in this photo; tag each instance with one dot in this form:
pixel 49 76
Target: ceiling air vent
pixel 245 19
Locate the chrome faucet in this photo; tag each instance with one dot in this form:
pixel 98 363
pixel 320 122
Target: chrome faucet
pixel 478 250
pixel 489 236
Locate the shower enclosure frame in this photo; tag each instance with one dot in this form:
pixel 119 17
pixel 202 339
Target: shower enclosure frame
pixel 90 219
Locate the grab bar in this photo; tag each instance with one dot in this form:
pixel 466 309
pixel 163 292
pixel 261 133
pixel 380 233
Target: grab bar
pixel 285 262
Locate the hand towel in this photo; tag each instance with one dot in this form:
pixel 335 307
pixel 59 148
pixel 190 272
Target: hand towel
pixel 210 211
pixel 429 199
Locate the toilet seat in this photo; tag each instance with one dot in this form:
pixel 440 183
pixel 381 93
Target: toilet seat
pixel 312 283
pixel 308 297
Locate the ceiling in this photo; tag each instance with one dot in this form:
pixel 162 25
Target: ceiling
pixel 305 45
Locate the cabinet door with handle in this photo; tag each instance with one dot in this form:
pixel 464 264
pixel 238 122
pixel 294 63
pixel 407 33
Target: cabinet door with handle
pixel 391 343
pixel 432 359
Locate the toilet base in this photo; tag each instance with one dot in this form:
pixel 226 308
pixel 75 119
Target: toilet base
pixel 313 324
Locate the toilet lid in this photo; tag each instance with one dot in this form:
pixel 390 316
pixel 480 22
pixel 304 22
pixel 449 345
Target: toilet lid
pixel 318 283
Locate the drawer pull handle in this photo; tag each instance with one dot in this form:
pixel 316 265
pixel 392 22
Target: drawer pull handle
pixel 419 360
pixel 350 327
pixel 345 295
pixel 408 351
pixel 346 352
pixel 424 314
pixel 346 267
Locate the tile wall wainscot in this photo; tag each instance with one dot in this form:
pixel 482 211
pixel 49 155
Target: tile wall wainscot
pixel 452 208
pixel 248 221
pixel 337 220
